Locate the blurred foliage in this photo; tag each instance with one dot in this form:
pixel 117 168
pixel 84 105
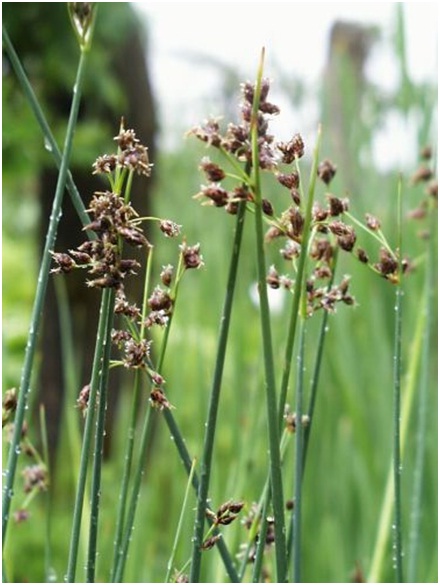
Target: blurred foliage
pixel 49 55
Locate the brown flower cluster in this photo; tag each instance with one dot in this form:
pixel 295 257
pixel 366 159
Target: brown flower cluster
pixel 236 142
pixel 114 221
pixel 35 475
pixel 424 175
pixel 225 515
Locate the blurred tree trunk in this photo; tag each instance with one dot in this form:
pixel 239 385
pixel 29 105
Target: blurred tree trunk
pixel 343 98
pixel 117 84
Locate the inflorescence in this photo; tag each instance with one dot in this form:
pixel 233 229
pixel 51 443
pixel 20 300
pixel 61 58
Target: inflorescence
pixel 332 226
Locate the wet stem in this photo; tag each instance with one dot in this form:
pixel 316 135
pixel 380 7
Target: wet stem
pixel 208 444
pixel 43 278
pixel 397 528
pixel 421 427
pixel 128 459
pixel 107 302
pixel 99 444
pixel 270 385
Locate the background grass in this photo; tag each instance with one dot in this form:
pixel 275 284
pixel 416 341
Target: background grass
pixel 351 442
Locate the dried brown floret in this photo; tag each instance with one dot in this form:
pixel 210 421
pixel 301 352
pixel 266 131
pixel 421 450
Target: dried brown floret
pixel 290 180
pixel 136 352
pixel 35 477
pixel 160 300
pixel 292 149
pixel 191 256
pixel 83 399
pixel 387 264
pixel 272 278
pixel 65 263
pixel 158 399
pixel 326 171
pixel 169 228
pixel 267 207
pixel 210 542
pixel 166 275
pixel 372 222
pixel 422 174
pixel 216 194
pixel 362 256
pixel 336 206
pixel 209 132
pixel 213 171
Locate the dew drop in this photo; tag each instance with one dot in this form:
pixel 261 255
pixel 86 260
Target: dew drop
pixel 47 144
pixel 51 575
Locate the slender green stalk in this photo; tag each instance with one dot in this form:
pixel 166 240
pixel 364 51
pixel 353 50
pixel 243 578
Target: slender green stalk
pixel 261 545
pixel 299 440
pixel 48 568
pixel 39 300
pixel 416 505
pixel 180 524
pixel 99 446
pixel 261 512
pixel 49 139
pixel 106 307
pixel 385 518
pixel 71 384
pixel 288 354
pixel 316 373
pixel 131 509
pixel 270 384
pixel 187 462
pixel 128 459
pixel 121 551
pixel 205 467
pixel 397 465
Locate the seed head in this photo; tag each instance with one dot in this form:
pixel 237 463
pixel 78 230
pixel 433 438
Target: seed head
pixel 326 171
pixel 214 173
pixel 292 149
pixel 372 222
pixel 169 228
pixel 191 256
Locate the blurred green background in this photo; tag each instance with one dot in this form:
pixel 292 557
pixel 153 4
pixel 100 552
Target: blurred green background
pixel 351 443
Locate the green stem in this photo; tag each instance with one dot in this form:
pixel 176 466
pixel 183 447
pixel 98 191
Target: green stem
pixel 99 446
pixel 397 528
pixel 385 518
pixel 131 510
pixel 295 309
pixel 88 430
pixel 299 439
pixel 416 506
pixel 49 139
pixel 261 512
pixel 180 523
pixel 205 468
pixel 270 385
pixel 179 441
pixel 128 459
pixel 71 383
pixel 48 569
pixel 316 373
pixel 261 545
pixel 39 300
